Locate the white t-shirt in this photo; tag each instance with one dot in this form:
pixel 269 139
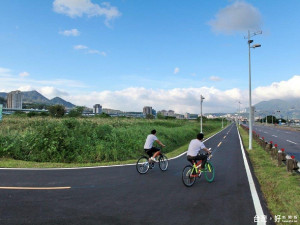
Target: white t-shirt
pixel 149 141
pixel 194 147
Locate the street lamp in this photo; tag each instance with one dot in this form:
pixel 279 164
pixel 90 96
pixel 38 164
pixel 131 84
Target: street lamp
pixel 201 100
pixel 250 102
pixel 222 122
pixel 239 113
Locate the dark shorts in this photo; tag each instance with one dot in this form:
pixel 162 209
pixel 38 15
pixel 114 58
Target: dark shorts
pixel 202 157
pixel 151 151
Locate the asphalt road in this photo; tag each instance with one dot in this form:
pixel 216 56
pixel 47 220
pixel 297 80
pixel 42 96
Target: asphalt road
pixel 119 195
pixel 287 139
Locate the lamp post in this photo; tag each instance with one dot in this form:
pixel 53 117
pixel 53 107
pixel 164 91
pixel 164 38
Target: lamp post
pixel 239 120
pixel 250 101
pixel 222 122
pixel 201 100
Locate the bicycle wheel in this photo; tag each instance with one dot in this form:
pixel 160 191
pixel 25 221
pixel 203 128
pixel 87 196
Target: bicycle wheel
pixel 209 172
pixel 186 176
pixel 163 162
pixel 142 165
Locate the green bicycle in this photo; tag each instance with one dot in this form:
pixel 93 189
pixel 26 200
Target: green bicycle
pixel 191 172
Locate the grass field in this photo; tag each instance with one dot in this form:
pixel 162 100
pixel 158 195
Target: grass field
pixel 48 142
pixel 280 188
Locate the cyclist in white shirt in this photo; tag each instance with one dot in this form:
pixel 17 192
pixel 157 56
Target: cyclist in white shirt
pixel 148 147
pixel 194 150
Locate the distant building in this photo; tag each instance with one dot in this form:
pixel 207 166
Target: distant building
pixel 167 113
pixel 190 116
pixel 187 115
pixel 163 112
pixel 154 112
pixel 147 110
pixel 171 113
pixel 14 100
pixel 112 111
pixel 97 109
pixel 179 116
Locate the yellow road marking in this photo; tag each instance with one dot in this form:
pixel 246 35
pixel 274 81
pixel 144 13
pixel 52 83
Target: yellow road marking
pixel 34 188
pixel 219 144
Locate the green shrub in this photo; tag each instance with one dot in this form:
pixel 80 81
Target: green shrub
pixel 90 139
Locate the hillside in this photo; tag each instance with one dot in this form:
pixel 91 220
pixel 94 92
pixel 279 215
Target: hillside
pixel 279 108
pixel 37 98
pixel 60 101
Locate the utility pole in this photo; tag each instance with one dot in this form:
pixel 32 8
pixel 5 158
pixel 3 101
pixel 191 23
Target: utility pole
pixel 239 120
pixel 250 101
pixel 201 101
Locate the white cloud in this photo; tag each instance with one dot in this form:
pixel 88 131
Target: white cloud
pixel 79 8
pixel 73 32
pixel 135 98
pixel 91 51
pixel 215 78
pixel 179 99
pixel 176 70
pixel 52 92
pixel 24 74
pixel 240 16
pixel 80 47
pixel 4 72
pixel 279 90
pixel 88 50
pixel 25 88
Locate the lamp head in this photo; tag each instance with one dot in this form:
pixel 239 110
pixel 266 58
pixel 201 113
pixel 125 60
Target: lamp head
pixel 256 46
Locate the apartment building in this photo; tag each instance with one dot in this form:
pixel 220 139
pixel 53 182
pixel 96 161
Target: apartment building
pixel 97 109
pixel 147 110
pixel 14 100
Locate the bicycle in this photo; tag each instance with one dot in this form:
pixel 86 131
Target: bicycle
pixel 191 172
pixel 144 164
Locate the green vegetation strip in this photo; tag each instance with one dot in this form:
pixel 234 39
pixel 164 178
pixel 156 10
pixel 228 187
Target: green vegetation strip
pixel 61 143
pixel 280 188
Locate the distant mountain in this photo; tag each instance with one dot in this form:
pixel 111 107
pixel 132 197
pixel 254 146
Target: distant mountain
pixel 279 108
pixel 60 101
pixel 3 94
pixel 36 97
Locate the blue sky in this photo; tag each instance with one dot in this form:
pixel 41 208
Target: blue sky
pixel 128 54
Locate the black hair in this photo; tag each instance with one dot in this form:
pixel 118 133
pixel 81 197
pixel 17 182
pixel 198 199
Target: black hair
pixel 153 131
pixel 200 136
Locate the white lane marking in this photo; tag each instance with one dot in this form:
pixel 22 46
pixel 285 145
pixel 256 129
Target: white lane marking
pixel 291 142
pixel 265 132
pixel 93 167
pixel 255 198
pixel 34 188
pixel 274 135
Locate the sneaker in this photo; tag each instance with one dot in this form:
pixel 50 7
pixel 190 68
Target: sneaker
pixel 151 166
pixel 200 174
pixel 153 159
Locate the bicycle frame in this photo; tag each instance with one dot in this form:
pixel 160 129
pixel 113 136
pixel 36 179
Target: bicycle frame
pixel 196 169
pixel 197 165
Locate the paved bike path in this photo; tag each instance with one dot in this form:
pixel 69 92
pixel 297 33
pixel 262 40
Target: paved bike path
pixel 119 195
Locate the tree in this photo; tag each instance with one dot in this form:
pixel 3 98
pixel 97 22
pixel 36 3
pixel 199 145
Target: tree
pixel 149 116
pixel 76 112
pixel 160 116
pixel 57 111
pixel 2 101
pixel 102 115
